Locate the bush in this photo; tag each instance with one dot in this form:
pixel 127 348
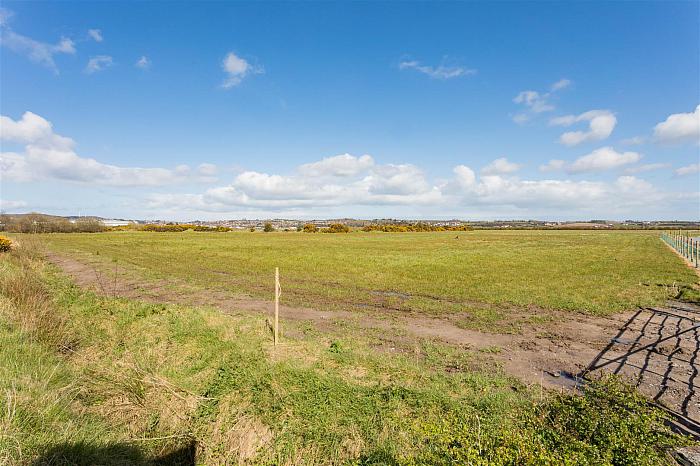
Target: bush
pixel 337 228
pixel 268 227
pixel 5 244
pixel 310 228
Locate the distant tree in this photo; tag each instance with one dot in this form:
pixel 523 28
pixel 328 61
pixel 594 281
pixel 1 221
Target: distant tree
pixel 310 228
pixel 89 225
pixel 252 229
pixel 268 227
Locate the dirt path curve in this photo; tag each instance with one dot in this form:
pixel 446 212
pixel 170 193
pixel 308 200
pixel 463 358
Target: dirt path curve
pixel 540 353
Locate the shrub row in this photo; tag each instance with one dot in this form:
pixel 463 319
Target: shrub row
pixel 38 223
pixel 332 228
pixel 181 227
pixel 419 226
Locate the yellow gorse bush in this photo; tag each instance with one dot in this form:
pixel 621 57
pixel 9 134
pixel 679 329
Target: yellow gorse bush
pixel 5 244
pixel 405 227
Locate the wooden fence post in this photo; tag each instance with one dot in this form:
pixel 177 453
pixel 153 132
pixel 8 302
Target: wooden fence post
pixel 277 303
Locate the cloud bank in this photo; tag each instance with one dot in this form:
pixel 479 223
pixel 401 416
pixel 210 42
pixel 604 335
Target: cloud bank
pixel 48 155
pixel 341 183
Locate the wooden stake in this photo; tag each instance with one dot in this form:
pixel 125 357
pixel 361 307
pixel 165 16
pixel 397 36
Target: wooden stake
pixel 277 302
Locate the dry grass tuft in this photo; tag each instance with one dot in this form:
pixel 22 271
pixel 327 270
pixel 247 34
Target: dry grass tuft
pixel 23 289
pixel 235 436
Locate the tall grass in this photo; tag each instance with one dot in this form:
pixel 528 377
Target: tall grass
pixel 28 303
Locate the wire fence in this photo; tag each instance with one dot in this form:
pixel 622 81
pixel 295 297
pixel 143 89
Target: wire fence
pixel 687 245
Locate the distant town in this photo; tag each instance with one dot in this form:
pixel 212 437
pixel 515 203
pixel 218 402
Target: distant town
pixel 294 224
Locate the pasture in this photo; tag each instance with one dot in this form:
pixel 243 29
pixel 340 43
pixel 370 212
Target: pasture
pixel 595 272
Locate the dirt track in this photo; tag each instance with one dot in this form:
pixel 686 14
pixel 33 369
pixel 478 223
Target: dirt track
pixel 542 353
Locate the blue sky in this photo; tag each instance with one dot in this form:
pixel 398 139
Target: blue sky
pixel 417 110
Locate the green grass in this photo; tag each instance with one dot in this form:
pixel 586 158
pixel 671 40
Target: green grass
pixel 101 380
pixel 589 271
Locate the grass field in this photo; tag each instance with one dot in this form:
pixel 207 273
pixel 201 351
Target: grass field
pixel 590 271
pixel 88 379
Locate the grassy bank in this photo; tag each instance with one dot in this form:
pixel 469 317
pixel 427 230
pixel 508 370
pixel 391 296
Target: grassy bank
pixel 591 271
pixel 89 379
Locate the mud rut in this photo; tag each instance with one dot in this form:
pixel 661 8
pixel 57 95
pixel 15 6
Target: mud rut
pixel 658 349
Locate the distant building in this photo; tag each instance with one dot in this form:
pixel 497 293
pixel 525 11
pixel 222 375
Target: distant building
pixel 108 222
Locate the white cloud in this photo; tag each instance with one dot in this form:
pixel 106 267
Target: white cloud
pixel 95 34
pixel 37 51
pixel 98 63
pixel 13 167
pixel 561 84
pixel 646 168
pixel 32 129
pixel 48 155
pixel 339 165
pixel 537 102
pixel 399 180
pixel 553 165
pixel 633 186
pixel 605 158
pixel 144 63
pixel 623 194
pixel 601 124
pixel 500 166
pixel 688 169
pixel 541 193
pixel 439 72
pixel 237 68
pixel 465 176
pixel 679 127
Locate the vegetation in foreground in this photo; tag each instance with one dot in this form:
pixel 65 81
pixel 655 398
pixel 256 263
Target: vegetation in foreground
pixel 89 379
pixel 588 271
